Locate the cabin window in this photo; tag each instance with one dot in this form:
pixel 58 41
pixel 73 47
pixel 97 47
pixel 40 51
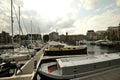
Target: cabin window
pixel 73 48
pixel 75 70
pixel 94 66
pixel 52 68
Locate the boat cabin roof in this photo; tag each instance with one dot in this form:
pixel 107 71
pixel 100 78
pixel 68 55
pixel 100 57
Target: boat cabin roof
pixel 75 61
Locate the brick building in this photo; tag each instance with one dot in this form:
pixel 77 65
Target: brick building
pixel 5 38
pixel 91 35
pixel 71 39
pixel 101 35
pixel 113 32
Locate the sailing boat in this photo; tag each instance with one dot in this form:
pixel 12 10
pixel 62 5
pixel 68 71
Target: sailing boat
pixel 23 51
pixel 18 54
pixel 5 65
pixel 33 45
pixel 4 68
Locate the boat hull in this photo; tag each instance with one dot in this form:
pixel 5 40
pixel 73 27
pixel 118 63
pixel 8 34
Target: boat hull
pixel 4 72
pixel 47 76
pixel 66 52
pixel 84 67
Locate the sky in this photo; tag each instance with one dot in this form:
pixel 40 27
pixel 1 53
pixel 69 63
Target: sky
pixel 72 16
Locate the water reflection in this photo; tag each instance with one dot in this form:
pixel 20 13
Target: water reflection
pixel 94 49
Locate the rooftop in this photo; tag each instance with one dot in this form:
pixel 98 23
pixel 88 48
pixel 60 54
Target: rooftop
pixel 74 61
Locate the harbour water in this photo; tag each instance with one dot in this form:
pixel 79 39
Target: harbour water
pixel 96 50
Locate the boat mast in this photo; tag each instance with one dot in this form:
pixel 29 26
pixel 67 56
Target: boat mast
pixel 19 27
pixel 12 21
pixel 31 31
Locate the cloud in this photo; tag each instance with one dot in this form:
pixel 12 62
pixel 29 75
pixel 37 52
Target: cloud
pixel 80 27
pixel 89 4
pixel 3 23
pixel 39 22
pixel 76 4
pixel 18 3
pixel 70 22
pixel 118 3
pixel 106 19
pixel 5 14
pixel 97 22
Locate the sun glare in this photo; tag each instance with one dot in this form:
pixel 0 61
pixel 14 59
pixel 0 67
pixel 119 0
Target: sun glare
pixel 50 9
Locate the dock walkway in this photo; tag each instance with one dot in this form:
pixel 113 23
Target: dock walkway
pixel 29 69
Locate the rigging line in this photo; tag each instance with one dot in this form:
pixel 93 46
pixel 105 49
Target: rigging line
pixel 20 26
pixel 36 29
pixel 39 29
pixel 17 19
pixel 26 32
pixel 33 28
pixel 16 15
pixel 24 25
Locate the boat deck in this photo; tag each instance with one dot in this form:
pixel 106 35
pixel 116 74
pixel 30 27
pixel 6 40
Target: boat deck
pixel 113 74
pixel 67 62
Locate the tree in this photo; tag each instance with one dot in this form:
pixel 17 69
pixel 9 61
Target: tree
pixel 46 38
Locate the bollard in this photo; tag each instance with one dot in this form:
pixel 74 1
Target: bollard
pixel 35 64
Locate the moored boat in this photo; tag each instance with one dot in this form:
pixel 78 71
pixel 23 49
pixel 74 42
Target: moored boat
pixel 3 47
pixel 68 68
pixel 103 42
pixel 4 68
pixel 63 49
pixel 15 57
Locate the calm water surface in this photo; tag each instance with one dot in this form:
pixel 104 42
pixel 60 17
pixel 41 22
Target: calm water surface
pixel 100 50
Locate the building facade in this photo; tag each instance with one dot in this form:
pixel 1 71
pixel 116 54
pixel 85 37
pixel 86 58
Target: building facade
pixel 71 39
pixel 26 39
pixel 101 35
pixel 113 33
pixel 54 36
pixel 91 35
pixel 5 38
